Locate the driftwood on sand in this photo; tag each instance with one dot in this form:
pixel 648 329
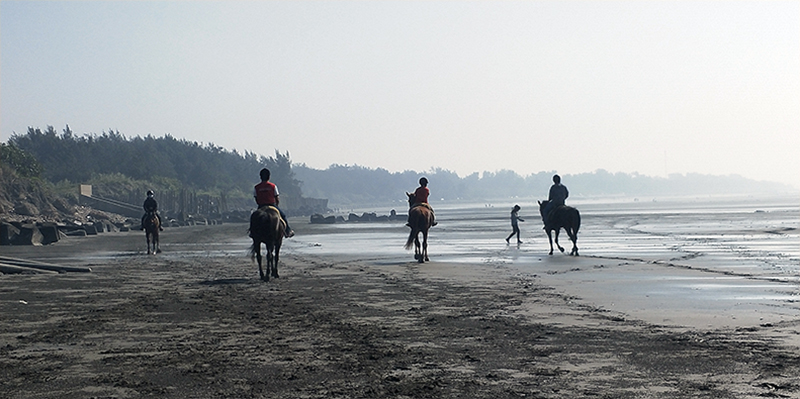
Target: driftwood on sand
pixel 10 265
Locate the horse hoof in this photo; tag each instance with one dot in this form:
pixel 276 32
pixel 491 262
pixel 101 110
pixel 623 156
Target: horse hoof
pixel 551 252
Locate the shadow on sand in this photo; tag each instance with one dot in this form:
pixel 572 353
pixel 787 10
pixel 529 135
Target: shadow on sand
pixel 226 281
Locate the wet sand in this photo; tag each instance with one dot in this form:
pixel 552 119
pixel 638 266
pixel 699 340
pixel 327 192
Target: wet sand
pixel 649 310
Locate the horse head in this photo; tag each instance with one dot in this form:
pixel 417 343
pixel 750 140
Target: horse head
pixel 411 198
pixel 151 220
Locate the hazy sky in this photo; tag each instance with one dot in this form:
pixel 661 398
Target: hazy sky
pixel 654 87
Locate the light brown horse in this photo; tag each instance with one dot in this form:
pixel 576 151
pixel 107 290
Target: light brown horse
pixel 151 228
pixel 267 226
pixel 420 218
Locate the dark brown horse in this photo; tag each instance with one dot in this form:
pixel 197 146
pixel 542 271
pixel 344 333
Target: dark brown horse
pixel 266 226
pixel 420 218
pixel 151 228
pixel 565 217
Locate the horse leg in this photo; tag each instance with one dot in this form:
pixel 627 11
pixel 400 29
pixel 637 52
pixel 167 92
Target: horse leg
pixel 268 271
pixel 257 247
pixel 275 261
pixel 270 259
pixel 156 243
pixel 550 238
pixel 560 248
pixel 272 264
pixel 425 246
pixel 147 234
pixel 417 248
pixel 574 237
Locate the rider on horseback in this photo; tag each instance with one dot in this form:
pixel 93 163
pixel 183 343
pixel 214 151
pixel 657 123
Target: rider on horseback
pixel 266 194
pixel 558 196
pixel 421 198
pixel 151 206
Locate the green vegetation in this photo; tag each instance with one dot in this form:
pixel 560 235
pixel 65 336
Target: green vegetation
pixel 125 168
pixel 21 162
pixel 21 189
pixel 120 166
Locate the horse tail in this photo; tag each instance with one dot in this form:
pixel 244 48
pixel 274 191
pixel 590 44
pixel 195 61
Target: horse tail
pixel 280 227
pixel 252 250
pixel 576 221
pixel 410 241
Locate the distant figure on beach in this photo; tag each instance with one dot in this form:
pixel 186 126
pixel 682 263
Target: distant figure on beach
pixel 151 206
pixel 514 224
pixel 421 198
pixel 266 194
pixel 557 197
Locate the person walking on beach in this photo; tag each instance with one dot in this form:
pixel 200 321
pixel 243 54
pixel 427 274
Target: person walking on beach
pixel 266 194
pixel 514 224
pixel 557 197
pixel 421 198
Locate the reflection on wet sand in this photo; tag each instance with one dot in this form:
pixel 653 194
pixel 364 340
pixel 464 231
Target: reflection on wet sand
pixel 709 262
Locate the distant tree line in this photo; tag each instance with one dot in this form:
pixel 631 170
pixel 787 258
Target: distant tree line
pixel 114 161
pixel 158 161
pixel 348 185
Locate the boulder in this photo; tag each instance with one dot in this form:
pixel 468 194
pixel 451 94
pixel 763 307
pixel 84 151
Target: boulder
pixel 29 234
pixel 50 233
pixel 104 226
pixel 73 231
pixel 8 233
pixel 319 219
pixel 90 230
pixel 369 216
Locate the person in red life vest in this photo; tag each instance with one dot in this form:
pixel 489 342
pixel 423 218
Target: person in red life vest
pixel 266 194
pixel 421 197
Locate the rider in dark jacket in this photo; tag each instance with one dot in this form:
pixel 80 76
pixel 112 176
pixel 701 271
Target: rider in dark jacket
pixel 557 197
pixel 150 205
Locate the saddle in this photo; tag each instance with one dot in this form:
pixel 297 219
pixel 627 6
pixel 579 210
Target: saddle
pixel 549 218
pixel 423 204
pixel 274 208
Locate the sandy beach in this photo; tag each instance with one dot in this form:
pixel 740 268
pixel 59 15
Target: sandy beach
pixel 667 300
